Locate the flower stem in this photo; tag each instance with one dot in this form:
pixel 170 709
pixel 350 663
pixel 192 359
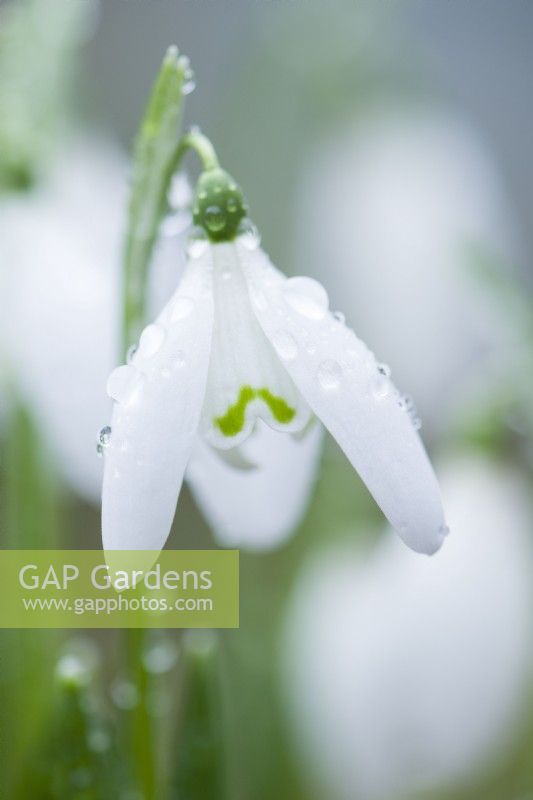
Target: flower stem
pixel 202 146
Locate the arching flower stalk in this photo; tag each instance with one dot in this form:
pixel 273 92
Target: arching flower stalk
pixel 238 352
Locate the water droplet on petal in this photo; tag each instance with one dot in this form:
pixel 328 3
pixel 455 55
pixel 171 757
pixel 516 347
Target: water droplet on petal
pixel 329 374
pixel 151 340
pixel 384 369
pixel 285 345
pixel 339 316
pixel 182 308
pixel 123 382
pixel 197 243
pixel 103 439
pixel 380 386
pixel 105 435
pixel 248 234
pixel 307 297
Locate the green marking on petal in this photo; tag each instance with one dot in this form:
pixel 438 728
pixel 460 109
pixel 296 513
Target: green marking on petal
pixel 232 422
pixel 280 410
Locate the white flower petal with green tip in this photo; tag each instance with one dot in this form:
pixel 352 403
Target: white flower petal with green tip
pixel 339 377
pixel 246 380
pixel 159 399
pixel 258 505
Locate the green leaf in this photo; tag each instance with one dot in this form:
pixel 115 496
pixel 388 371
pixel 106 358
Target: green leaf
pixel 155 149
pixel 200 757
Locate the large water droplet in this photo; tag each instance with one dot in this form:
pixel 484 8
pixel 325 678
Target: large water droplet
pixel 215 218
pixel 123 382
pixel 182 308
pixel 329 374
pixel 197 243
pixel 307 297
pixel 151 340
pixel 285 345
pixel 248 234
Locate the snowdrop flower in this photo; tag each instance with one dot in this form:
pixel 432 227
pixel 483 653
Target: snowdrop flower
pixel 402 673
pixel 238 343
pixel 390 206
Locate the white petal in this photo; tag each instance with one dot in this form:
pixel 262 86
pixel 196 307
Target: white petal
pixel 257 507
pixel 155 421
pixel 246 380
pixel 340 379
pixel 405 673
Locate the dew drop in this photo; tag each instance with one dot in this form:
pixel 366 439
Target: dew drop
pixel 248 234
pixel 339 316
pixel 123 382
pixel 385 370
pixel 182 308
pixel 215 218
pixel 307 297
pixel 329 374
pixel 189 81
pixel 103 440
pixel 197 242
pixel 151 340
pixel 285 345
pixel 380 387
pixel 232 205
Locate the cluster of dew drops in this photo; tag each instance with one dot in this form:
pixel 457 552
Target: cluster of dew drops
pixel 309 299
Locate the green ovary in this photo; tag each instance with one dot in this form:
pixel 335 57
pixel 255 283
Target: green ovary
pixel 232 422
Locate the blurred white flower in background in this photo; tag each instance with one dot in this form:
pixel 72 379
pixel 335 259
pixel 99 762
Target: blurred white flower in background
pixel 404 673
pixel 60 251
pixel 384 215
